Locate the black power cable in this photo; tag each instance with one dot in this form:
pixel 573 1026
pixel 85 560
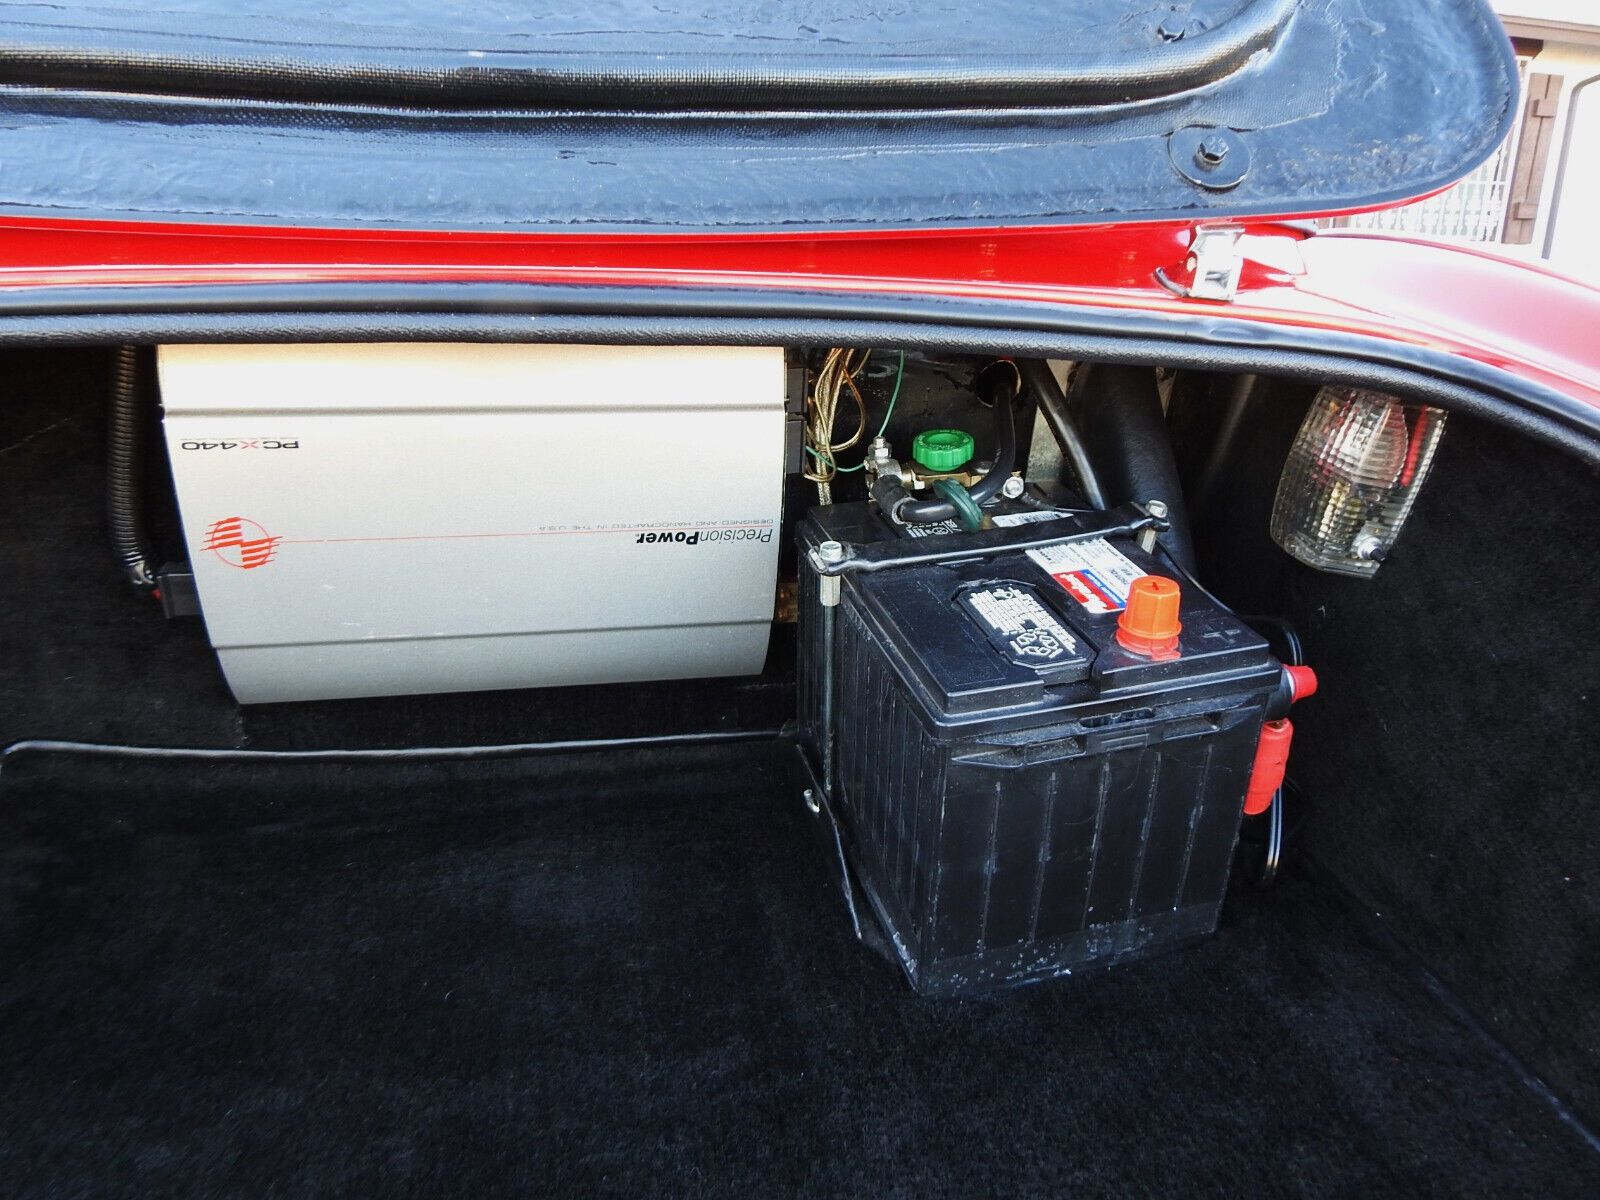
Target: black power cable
pixel 1279 834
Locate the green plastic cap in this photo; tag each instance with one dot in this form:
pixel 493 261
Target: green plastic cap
pixel 942 449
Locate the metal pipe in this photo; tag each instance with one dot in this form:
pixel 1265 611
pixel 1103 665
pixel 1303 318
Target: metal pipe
pixel 1568 137
pixel 404 754
pixel 1052 400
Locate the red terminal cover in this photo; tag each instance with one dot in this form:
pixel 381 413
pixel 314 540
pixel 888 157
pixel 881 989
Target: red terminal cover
pixel 1302 681
pixel 1272 752
pixel 1272 760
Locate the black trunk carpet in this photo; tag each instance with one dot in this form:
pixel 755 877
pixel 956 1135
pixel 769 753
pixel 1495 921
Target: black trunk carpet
pixel 1451 753
pixel 631 974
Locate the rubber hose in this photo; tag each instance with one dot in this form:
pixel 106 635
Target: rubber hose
pixel 1037 375
pixel 1242 395
pixel 1125 432
pixel 968 515
pixel 1002 390
pixel 124 476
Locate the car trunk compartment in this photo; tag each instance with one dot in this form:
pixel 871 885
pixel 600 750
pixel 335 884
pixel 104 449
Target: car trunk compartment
pixel 630 968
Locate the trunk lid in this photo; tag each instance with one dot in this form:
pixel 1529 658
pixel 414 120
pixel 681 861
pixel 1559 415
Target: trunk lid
pixel 742 114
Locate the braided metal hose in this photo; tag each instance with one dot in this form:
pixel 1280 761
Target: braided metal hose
pixel 124 470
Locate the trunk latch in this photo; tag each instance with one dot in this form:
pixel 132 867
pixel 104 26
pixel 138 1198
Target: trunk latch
pixel 1212 268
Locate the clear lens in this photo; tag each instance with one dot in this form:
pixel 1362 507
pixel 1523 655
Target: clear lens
pixel 1352 476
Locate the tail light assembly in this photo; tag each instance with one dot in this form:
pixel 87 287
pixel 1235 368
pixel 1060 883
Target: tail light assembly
pixel 1352 477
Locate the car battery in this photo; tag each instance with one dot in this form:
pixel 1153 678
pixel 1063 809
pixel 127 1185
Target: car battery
pixel 1019 793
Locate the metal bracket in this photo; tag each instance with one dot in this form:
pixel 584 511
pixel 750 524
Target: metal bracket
pixel 834 559
pixel 179 596
pixel 1213 266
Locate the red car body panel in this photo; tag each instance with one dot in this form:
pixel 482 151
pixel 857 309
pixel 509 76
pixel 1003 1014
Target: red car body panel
pixel 1524 320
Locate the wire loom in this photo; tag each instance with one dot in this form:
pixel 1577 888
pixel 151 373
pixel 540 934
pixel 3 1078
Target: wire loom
pixel 838 372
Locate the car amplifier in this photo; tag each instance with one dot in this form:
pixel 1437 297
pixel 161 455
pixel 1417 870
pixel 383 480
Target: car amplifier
pixel 369 520
pixel 1024 784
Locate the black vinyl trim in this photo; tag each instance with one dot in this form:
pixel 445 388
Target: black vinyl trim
pixel 609 70
pixel 1208 340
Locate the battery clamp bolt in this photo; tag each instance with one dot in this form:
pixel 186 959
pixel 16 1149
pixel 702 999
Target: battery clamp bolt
pixel 829 554
pixel 1013 487
pixel 1157 511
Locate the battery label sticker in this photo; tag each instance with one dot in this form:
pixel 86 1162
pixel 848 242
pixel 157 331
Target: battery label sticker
pixel 933 530
pixel 1021 627
pixel 1027 518
pixel 1094 573
pixel 1003 520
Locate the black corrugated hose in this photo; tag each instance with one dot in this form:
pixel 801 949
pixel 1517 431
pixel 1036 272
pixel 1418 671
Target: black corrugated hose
pixel 1118 409
pixel 124 470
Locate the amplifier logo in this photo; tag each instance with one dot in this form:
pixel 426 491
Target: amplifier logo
pixel 243 444
pixel 241 543
pixel 693 537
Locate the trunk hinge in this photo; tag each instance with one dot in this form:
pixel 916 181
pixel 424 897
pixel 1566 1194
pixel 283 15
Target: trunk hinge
pixel 1212 269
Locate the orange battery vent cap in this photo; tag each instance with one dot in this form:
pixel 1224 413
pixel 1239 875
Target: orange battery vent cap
pixel 1149 625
